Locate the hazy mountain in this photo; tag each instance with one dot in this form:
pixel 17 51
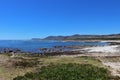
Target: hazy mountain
pixel 36 39
pixel 82 37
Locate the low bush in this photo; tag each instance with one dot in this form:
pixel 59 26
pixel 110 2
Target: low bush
pixel 26 63
pixel 67 72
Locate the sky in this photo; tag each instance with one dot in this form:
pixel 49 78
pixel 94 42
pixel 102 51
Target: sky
pixel 26 19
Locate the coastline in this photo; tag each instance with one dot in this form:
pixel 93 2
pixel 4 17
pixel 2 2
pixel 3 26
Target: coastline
pixel 90 40
pixel 102 56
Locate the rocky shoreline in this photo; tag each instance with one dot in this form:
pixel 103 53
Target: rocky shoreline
pixel 107 55
pixel 112 47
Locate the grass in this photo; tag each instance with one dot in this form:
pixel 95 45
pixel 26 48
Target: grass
pixel 67 72
pixel 9 72
pixel 111 59
pixel 66 60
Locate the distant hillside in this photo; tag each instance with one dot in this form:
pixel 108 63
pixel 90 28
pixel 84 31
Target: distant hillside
pixel 54 38
pixel 36 39
pixel 85 37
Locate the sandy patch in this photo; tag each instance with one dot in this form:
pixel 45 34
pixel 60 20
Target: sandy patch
pixel 3 60
pixel 115 67
pixel 103 49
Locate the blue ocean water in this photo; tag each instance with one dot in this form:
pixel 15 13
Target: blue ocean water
pixel 32 45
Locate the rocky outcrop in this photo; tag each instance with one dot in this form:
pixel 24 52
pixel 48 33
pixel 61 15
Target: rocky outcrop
pixel 9 50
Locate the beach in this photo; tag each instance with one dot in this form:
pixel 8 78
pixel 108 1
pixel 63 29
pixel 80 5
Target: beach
pixel 106 56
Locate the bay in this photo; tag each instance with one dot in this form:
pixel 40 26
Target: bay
pixel 34 46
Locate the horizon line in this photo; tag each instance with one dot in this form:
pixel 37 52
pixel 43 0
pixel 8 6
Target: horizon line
pixel 57 35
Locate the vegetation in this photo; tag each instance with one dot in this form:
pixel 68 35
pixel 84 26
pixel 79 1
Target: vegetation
pixel 85 37
pixel 8 70
pixel 96 38
pixel 111 59
pixel 67 60
pixel 67 72
pixel 30 66
pixel 25 63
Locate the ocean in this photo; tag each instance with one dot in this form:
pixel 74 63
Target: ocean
pixel 34 46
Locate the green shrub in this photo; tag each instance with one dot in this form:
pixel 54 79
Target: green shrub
pixel 68 72
pixel 26 63
pixel 20 78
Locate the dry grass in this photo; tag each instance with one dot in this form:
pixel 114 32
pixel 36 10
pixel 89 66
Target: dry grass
pixel 66 60
pixel 8 71
pixel 110 59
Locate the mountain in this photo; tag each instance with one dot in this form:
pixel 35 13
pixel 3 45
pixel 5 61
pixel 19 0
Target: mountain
pixel 85 37
pixel 54 38
pixel 37 39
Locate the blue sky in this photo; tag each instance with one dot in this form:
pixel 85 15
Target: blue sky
pixel 25 19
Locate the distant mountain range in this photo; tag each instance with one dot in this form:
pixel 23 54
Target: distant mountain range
pixel 82 37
